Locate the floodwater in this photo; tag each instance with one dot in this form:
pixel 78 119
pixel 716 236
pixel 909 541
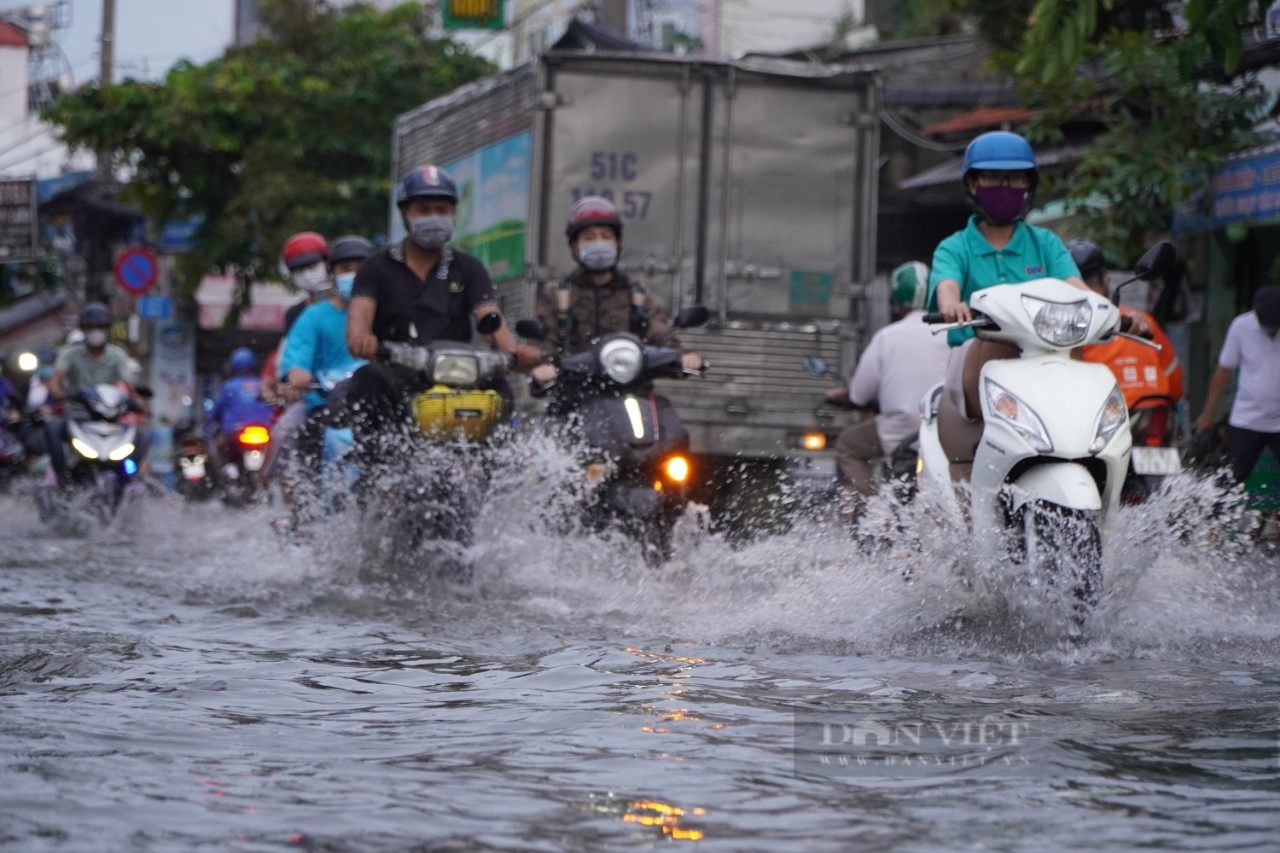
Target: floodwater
pixel 186 681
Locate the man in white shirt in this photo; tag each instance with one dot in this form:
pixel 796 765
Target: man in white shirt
pixel 1252 347
pixel 901 362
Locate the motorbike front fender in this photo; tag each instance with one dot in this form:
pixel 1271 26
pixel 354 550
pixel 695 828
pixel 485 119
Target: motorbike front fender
pixel 1064 484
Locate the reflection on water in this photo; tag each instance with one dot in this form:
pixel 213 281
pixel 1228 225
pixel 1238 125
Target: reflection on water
pixel 664 816
pixel 193 683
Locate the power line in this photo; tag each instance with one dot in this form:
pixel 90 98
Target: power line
pixel 43 151
pixel 914 138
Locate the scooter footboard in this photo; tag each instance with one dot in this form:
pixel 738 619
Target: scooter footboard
pixel 1066 484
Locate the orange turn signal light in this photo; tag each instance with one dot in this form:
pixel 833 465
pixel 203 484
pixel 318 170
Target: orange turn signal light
pixel 677 469
pixel 254 435
pixel 815 441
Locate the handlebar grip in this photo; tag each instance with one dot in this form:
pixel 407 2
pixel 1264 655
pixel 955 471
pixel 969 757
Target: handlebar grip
pixel 934 317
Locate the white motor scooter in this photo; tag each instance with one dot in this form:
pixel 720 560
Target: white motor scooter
pixel 1049 461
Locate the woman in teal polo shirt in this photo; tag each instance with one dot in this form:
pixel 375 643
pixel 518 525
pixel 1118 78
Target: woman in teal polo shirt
pixel 996 247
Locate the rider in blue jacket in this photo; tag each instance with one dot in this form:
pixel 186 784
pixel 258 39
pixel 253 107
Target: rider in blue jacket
pixel 239 404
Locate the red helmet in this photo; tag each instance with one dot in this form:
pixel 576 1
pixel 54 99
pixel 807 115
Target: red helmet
pixel 592 210
pixel 304 249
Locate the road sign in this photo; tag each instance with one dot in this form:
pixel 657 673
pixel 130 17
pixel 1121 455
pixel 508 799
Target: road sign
pixel 17 220
pixel 137 269
pixel 472 14
pixel 155 307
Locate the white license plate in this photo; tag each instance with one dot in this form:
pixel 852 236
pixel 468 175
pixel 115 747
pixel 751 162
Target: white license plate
pixel 813 473
pixel 192 470
pixel 253 460
pixel 1156 461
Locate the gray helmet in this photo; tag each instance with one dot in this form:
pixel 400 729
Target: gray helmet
pixel 350 247
pixel 1088 257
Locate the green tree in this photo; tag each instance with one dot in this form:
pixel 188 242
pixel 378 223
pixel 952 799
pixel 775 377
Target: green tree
pixel 286 134
pixel 1166 97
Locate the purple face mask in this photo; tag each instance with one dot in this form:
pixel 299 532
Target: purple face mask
pixel 1001 205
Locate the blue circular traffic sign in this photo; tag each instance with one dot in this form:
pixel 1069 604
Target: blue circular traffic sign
pixel 137 269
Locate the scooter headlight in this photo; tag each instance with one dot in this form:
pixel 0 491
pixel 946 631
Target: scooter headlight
pixel 121 453
pixel 455 370
pixel 1061 324
pixel 622 359
pixel 83 448
pixel 1018 415
pixel 1114 415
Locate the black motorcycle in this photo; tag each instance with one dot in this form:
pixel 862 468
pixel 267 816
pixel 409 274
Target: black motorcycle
pixel 637 470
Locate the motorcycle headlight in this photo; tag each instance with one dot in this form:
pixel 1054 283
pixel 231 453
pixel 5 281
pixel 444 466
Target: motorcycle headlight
pixel 1018 415
pixel 83 449
pixel 1061 324
pixel 621 359
pixel 1114 415
pixel 455 370
pixel 120 453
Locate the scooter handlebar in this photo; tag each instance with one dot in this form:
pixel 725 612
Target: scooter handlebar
pixel 934 317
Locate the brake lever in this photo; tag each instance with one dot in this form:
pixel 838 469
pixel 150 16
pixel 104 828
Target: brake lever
pixel 1155 346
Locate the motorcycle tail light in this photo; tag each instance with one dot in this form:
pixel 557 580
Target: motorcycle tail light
pixel 1153 426
pixel 254 436
pixel 676 469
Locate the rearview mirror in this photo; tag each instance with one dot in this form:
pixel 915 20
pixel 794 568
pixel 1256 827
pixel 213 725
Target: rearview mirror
pixel 1156 261
pixel 531 329
pixel 694 315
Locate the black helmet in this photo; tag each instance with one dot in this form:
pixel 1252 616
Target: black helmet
pixel 95 314
pixel 350 247
pixel 1088 257
pixel 1266 304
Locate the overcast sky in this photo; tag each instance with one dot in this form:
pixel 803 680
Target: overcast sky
pixel 151 35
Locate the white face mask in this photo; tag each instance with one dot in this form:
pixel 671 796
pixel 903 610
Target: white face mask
pixel 598 255
pixel 96 337
pixel 312 279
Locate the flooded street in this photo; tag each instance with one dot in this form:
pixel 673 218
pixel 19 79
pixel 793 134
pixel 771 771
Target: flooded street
pixel 187 682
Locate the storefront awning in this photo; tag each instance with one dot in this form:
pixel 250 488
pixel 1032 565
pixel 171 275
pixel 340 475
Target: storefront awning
pixel 266 312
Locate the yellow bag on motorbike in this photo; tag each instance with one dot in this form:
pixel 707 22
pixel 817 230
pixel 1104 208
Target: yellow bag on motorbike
pixel 456 413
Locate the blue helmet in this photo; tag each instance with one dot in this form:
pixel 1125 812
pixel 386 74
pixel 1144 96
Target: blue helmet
pixel 95 314
pixel 243 361
pixel 999 149
pixel 426 182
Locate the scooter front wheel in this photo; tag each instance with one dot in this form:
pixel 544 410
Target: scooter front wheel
pixel 1064 547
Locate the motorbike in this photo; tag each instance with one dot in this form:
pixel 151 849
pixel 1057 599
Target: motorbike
pixel 1155 456
pixel 637 469
pixel 193 466
pixel 1050 458
pixel 244 456
pixel 102 459
pixel 433 492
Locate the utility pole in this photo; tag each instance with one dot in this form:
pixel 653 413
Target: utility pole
pixel 106 59
pixel 97 260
